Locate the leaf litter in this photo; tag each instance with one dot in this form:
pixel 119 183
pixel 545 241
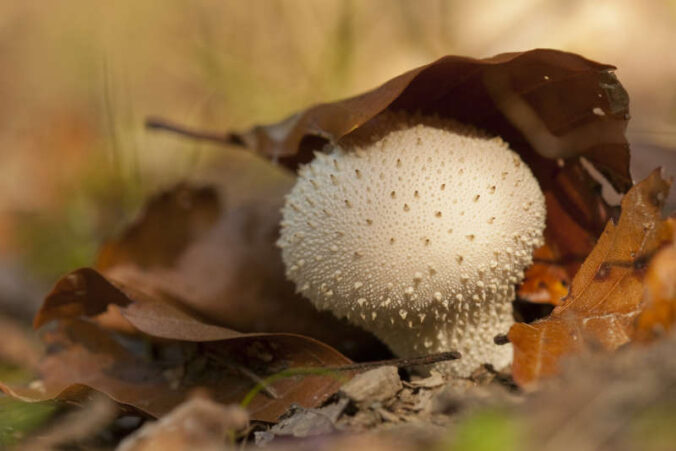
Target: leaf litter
pixel 192 295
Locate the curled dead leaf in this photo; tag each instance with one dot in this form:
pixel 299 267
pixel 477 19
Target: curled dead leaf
pixel 558 104
pixel 606 295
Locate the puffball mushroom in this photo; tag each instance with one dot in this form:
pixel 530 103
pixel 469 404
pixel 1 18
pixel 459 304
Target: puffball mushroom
pixel 419 237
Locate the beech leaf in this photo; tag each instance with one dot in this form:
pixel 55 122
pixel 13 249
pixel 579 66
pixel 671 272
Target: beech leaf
pixel 557 103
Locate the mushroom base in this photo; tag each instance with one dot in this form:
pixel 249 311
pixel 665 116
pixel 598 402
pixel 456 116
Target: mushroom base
pixel 470 331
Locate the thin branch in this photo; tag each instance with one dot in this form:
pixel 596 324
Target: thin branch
pixel 215 137
pixel 399 363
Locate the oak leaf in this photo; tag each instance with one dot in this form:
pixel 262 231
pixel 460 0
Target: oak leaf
pixel 659 313
pixel 606 295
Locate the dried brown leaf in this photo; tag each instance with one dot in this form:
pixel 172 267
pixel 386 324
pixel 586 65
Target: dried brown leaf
pixel 84 355
pixel 607 292
pixel 556 103
pixel 83 292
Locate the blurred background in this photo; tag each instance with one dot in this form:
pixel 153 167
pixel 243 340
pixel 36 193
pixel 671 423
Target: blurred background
pixel 78 78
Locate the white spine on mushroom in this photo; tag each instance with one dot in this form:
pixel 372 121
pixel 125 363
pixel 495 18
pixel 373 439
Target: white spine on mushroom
pixel 419 237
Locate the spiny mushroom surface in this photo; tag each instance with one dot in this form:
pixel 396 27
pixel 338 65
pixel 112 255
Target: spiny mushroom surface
pixel 419 237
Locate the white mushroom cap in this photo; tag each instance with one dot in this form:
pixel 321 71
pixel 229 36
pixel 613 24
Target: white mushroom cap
pixel 419 237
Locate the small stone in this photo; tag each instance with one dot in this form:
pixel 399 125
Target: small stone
pixel 375 385
pixel 434 380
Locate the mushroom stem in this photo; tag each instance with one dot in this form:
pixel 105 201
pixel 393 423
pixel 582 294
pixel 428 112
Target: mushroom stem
pixel 469 331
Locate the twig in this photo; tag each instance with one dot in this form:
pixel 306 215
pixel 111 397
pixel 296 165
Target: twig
pixel 399 363
pixel 220 138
